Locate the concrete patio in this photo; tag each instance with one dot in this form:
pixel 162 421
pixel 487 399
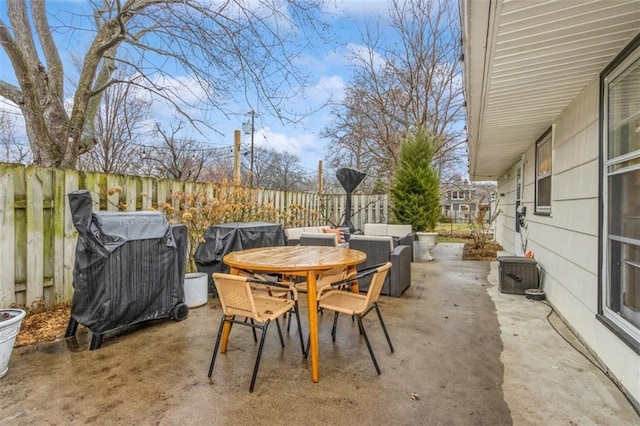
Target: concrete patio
pixel 464 354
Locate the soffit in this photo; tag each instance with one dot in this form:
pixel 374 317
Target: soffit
pixel 525 61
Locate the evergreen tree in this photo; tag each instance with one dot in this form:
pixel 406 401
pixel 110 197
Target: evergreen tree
pixel 415 192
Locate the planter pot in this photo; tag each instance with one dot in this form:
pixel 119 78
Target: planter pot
pixel 534 294
pixel 426 241
pixel 195 289
pixel 10 321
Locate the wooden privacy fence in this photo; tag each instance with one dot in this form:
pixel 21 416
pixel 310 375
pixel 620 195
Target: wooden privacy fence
pixel 38 239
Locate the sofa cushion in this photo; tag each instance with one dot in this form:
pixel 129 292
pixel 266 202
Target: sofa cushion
pixel 373 238
pixel 387 229
pixel 398 230
pixel 293 234
pixel 375 229
pixel 318 239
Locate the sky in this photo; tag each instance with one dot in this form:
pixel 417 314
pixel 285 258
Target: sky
pixel 327 65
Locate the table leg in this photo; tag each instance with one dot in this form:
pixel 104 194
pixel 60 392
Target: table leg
pixel 226 329
pixel 354 284
pixel 313 325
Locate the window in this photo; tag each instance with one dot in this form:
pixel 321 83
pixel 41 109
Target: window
pixel 457 195
pixel 543 173
pixel 621 192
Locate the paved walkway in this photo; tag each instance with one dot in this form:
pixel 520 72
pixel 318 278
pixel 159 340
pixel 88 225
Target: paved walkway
pixel 465 354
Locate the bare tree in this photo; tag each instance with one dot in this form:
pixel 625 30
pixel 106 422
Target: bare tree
pixel 413 83
pixel 120 130
pixel 277 170
pixel 10 149
pixel 287 172
pixel 218 167
pixel 176 158
pixel 227 47
pixel 263 165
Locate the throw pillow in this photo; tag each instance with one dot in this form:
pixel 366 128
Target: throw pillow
pixel 334 231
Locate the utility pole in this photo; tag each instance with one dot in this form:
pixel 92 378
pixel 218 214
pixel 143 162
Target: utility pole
pixel 250 128
pixel 320 177
pixel 236 157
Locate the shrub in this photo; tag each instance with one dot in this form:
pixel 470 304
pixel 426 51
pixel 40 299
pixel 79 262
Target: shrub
pixel 415 192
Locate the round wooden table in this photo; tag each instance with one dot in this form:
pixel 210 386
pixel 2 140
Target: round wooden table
pixel 306 261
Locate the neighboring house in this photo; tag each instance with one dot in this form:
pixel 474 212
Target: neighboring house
pixel 553 109
pixel 459 201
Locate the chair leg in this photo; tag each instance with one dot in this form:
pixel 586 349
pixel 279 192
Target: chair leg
pixel 289 316
pixel 215 348
pixel 366 340
pixel 279 332
pixel 297 313
pixel 259 355
pixel 384 328
pixel 335 325
pixel 353 318
pixel 253 330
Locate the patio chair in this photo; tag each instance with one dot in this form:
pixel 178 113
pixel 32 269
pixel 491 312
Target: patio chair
pixel 357 305
pixel 324 279
pixel 238 299
pixel 277 290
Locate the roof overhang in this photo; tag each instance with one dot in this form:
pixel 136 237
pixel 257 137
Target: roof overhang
pixel 524 63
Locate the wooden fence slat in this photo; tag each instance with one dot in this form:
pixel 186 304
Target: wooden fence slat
pixel 71 183
pixel 146 193
pixel 95 183
pixel 35 237
pixel 162 195
pixel 131 192
pixel 7 242
pixel 58 215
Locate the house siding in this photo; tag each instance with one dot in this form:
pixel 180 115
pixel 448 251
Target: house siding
pixel 565 243
pixel 505 223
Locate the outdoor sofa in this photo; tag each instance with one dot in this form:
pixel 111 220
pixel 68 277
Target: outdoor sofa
pixel 380 249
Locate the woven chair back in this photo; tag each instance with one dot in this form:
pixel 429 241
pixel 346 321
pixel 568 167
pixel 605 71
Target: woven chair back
pixel 377 281
pixel 235 295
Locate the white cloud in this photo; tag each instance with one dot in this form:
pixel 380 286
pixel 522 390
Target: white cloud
pixel 328 88
pixel 359 7
pixel 306 146
pixel 15 116
pixel 359 53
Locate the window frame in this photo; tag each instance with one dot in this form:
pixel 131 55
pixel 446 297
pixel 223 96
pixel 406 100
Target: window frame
pixel 547 137
pixel 610 168
pixel 457 195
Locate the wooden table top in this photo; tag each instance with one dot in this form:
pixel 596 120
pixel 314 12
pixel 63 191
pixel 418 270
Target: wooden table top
pixel 294 258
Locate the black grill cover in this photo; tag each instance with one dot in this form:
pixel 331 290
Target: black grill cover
pixel 129 266
pixel 223 239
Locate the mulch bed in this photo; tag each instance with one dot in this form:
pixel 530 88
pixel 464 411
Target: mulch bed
pixel 488 253
pixel 46 326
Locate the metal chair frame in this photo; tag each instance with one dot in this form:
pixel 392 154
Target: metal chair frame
pixel 230 318
pixel 378 274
